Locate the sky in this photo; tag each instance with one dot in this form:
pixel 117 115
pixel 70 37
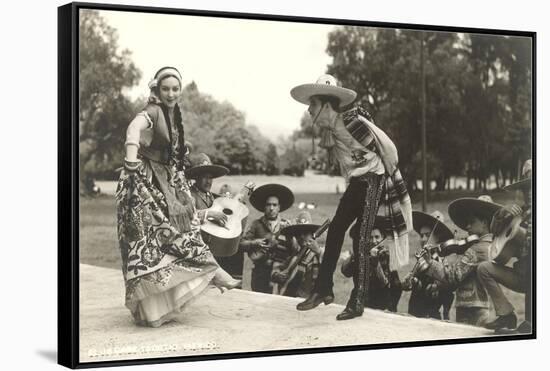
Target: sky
pixel 252 64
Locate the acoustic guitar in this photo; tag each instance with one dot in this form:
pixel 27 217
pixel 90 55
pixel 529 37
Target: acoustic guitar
pixel 224 241
pixel 508 243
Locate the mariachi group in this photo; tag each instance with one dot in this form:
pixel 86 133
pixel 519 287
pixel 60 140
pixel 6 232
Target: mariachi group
pixel 177 237
pixel 376 212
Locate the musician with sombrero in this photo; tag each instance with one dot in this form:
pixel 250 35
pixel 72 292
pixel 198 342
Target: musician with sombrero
pixel 518 277
pixel 473 215
pixel 296 275
pixel 261 239
pixel 368 160
pixel 202 171
pixel 425 301
pixel 384 287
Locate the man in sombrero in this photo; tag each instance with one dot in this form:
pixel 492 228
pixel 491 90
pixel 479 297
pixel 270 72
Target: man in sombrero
pixel 299 271
pixel 518 277
pixel 260 241
pixel 425 301
pixel 473 215
pixel 368 160
pixel 203 171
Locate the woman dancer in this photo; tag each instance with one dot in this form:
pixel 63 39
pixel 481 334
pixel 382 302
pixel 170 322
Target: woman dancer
pixel 165 262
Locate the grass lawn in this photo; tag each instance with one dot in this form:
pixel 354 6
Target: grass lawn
pixel 98 236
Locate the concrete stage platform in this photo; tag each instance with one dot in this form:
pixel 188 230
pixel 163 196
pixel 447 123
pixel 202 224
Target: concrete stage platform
pixel 236 321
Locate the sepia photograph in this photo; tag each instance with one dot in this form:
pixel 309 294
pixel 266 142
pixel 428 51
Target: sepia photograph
pixel 255 185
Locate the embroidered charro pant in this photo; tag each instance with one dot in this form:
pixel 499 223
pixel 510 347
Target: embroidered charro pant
pixel 359 202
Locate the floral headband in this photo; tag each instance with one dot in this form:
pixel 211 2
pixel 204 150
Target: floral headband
pixel 162 73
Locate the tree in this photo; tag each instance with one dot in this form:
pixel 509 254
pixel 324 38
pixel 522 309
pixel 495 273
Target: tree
pixel 517 62
pixel 272 166
pixel 105 111
pixel 220 130
pixel 478 97
pixel 499 97
pixel 382 66
pixel 215 128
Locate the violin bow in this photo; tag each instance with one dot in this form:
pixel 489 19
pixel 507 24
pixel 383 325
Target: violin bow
pixel 432 232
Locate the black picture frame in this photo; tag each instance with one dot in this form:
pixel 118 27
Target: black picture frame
pixel 68 180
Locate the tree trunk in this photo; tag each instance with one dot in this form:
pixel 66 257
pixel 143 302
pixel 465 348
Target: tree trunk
pixel 87 148
pixel 440 183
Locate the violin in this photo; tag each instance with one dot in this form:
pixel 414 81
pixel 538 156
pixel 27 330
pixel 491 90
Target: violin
pixel 457 246
pixel 452 246
pixel 449 247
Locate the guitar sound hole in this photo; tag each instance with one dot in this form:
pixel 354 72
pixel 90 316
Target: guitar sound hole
pixel 227 211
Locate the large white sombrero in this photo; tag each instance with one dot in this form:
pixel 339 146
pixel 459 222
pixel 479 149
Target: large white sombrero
pixel 325 85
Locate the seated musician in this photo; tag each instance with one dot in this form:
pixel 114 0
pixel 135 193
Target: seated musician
pixel 202 171
pixel 261 241
pixel 384 289
pixel 296 275
pixel 425 302
pixel 517 278
pixel 474 216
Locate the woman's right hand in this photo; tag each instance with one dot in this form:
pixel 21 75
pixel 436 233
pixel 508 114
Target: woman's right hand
pixel 217 217
pixel 133 134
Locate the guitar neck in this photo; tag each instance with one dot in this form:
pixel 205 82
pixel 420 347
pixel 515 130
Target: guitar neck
pixel 299 257
pixel 321 229
pixel 243 194
pixel 280 289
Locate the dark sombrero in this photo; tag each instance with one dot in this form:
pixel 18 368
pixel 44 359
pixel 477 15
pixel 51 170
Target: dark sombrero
pixel 201 164
pixel 462 209
pixel 302 224
pixel 421 219
pixel 525 181
pixel 260 195
pixel 379 223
